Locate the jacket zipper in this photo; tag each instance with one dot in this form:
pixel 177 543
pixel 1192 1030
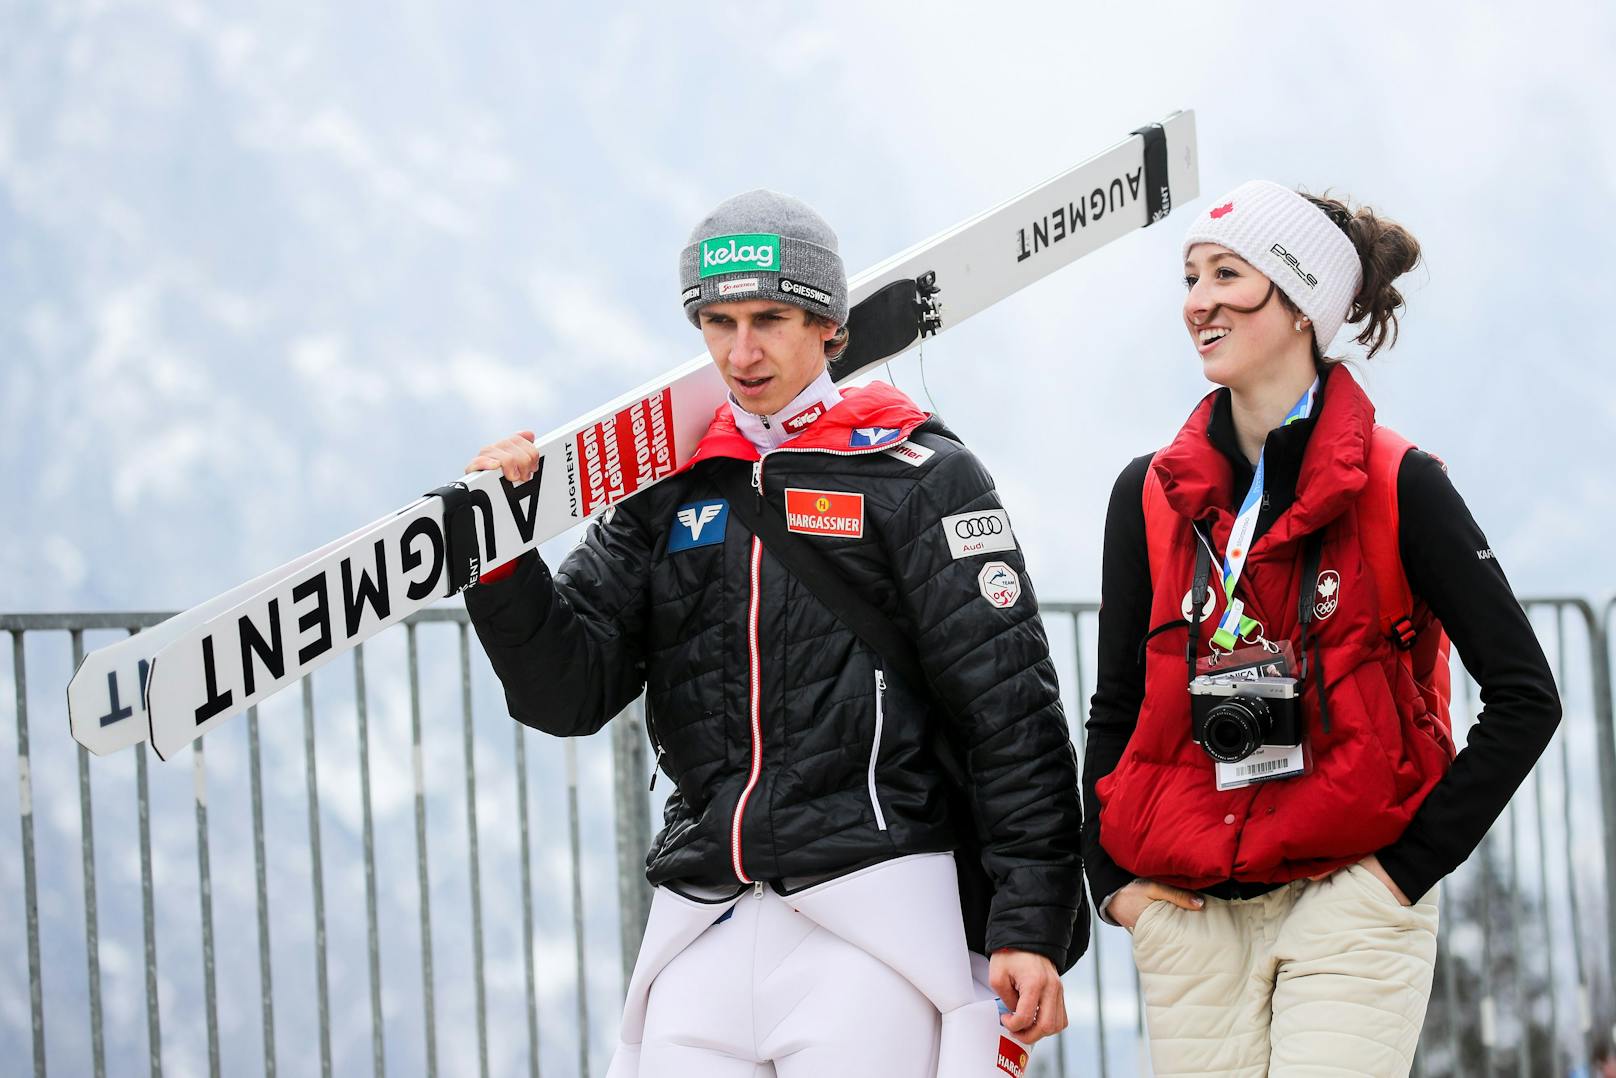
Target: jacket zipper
pixel 755 704
pixel 754 655
pixel 875 747
pixel 656 743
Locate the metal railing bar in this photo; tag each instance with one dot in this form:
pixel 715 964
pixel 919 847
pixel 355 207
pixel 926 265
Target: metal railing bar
pixel 154 1031
pixel 378 1053
pixel 25 817
pixel 570 750
pixel 322 988
pixel 92 918
pixel 1094 955
pixel 1578 928
pixel 527 903
pixel 422 875
pixel 260 870
pixel 1523 1049
pixel 472 853
pixel 205 894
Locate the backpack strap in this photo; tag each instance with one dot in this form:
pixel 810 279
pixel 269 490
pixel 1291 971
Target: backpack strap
pixel 1405 619
pixel 1378 529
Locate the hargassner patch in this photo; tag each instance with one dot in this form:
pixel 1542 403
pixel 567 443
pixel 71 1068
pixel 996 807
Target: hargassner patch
pixel 911 454
pixel 698 524
pixel 825 512
pixel 1012 1058
pixel 750 253
pixel 870 437
pixel 999 584
pixel 981 532
pixel 738 287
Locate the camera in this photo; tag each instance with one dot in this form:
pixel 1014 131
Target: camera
pixel 1233 718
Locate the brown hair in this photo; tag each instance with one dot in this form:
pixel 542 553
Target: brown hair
pixel 838 342
pixel 1386 251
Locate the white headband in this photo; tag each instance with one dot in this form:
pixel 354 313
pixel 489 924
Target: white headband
pixel 1293 243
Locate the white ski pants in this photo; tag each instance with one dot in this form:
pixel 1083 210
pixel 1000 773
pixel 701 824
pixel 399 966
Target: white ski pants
pixel 863 974
pixel 768 984
pixel 1327 977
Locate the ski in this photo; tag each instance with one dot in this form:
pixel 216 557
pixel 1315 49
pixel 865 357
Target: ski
pixel 177 680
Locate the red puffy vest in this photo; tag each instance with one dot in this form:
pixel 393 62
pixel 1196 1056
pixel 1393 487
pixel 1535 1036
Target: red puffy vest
pixel 1162 816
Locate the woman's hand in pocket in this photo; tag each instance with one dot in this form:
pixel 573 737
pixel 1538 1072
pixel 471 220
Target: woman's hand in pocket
pixel 1128 903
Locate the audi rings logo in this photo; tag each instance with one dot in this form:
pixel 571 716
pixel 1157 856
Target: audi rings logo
pixel 977 527
pixel 981 532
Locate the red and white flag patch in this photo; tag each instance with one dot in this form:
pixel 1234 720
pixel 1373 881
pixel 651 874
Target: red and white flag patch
pixel 825 512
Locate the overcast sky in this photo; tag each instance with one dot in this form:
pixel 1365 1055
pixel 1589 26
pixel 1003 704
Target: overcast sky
pixel 269 271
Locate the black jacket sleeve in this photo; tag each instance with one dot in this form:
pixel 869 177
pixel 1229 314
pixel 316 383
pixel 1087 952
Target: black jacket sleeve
pixel 569 651
pixel 1119 687
pixel 991 672
pixel 1451 566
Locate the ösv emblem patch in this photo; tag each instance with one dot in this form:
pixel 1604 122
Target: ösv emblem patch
pixel 999 584
pixel 698 524
pixel 870 437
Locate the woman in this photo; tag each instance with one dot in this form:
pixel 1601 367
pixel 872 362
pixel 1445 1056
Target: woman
pixel 1282 898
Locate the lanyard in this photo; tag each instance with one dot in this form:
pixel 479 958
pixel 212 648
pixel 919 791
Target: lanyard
pixel 1234 624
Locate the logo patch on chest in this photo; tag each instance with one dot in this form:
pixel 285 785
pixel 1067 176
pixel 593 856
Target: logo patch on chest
pixel 1187 608
pixel 698 524
pixel 870 437
pixel 825 512
pixel 1328 595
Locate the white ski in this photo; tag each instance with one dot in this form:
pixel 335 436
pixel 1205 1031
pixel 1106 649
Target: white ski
pixel 220 658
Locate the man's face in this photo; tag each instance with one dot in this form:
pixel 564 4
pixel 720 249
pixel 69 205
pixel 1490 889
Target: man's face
pixel 767 351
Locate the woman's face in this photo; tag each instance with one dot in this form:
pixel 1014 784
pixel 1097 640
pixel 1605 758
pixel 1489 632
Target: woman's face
pixel 1236 319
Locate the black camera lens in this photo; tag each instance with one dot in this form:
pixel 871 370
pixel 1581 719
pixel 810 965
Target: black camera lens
pixel 1235 728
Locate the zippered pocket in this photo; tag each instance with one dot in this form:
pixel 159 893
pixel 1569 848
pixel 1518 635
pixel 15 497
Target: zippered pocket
pixel 650 730
pixel 875 746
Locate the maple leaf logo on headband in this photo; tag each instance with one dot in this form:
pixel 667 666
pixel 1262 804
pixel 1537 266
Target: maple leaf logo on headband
pixel 1219 211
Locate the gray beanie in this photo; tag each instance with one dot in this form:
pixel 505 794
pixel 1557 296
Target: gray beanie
pixel 763 245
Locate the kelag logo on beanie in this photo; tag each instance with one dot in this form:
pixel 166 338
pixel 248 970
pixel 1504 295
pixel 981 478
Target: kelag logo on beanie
pixel 740 254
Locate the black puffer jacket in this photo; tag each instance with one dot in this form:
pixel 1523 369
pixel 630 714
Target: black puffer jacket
pixel 832 769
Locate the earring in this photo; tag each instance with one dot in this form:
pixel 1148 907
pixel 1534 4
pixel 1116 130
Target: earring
pixel 1299 323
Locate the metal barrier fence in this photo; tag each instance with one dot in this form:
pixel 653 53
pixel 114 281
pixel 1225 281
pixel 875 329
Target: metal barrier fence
pixel 506 951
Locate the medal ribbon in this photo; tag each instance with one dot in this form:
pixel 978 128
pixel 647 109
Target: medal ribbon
pixel 1234 624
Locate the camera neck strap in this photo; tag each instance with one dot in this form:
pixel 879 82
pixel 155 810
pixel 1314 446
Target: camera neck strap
pixel 1234 624
pixel 1200 591
pixel 1307 597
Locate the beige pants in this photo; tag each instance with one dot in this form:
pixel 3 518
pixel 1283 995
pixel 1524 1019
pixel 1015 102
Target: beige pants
pixel 1317 978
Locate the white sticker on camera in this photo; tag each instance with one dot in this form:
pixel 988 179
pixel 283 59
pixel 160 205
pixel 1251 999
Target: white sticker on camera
pixel 1268 762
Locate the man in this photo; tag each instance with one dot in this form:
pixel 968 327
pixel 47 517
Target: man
pixel 807 773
